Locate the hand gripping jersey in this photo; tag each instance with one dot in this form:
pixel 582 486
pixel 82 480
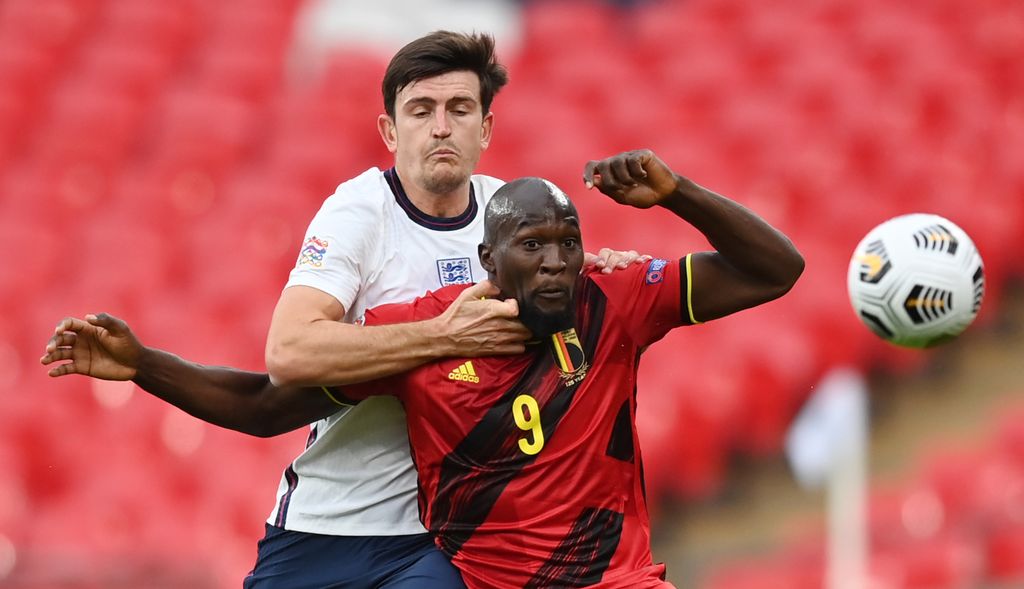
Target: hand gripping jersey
pixel 367 246
pixel 529 466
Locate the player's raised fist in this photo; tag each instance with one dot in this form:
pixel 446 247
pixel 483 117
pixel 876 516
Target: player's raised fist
pixel 636 178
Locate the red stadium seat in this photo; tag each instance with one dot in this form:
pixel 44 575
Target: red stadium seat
pixel 552 27
pixel 127 66
pixel 327 132
pixel 204 132
pixel 1005 553
pixel 903 514
pixel 769 573
pixel 1009 435
pixel 91 125
pixel 977 487
pixel 25 66
pixel 168 27
pixel 945 562
pixel 54 24
pixel 241 70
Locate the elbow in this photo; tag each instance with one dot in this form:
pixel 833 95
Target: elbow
pixel 795 266
pixel 262 429
pixel 791 267
pixel 284 365
pixel 267 429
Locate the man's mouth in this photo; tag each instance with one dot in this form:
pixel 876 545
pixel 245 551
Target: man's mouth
pixel 552 293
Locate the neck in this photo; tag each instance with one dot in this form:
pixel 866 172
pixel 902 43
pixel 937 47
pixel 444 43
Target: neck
pixel 446 204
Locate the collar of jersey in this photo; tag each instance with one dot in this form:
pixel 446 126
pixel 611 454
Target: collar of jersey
pixel 420 218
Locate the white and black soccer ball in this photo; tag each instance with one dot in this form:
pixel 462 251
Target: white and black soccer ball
pixel 916 280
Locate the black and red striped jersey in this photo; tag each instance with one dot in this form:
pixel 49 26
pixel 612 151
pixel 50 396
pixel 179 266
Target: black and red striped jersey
pixel 529 466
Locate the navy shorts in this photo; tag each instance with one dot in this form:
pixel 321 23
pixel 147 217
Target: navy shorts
pixel 299 560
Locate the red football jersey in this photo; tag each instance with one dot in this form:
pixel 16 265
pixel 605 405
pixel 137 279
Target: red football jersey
pixel 529 465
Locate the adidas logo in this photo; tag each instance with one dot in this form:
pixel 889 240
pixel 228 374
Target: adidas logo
pixel 464 373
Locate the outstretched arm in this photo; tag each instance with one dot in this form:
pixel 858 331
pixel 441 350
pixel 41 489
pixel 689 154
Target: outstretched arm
pixel 753 262
pixel 102 346
pixel 308 345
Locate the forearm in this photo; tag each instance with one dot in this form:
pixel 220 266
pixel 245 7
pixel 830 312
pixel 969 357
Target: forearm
pixel 741 237
pixel 325 352
pixel 230 398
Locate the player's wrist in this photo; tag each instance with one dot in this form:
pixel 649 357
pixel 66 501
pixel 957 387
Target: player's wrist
pixel 682 194
pixel 435 338
pixel 143 363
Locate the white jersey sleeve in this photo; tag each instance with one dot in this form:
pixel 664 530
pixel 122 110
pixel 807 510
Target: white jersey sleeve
pixel 343 240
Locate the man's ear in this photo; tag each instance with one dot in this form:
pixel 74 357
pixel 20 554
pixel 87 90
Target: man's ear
pixel 386 128
pixel 486 259
pixel 485 130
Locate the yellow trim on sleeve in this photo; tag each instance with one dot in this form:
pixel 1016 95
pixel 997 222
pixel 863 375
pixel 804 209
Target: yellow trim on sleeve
pixel 331 397
pixel 689 289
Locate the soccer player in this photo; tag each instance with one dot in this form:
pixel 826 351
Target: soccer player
pixel 529 465
pixel 346 512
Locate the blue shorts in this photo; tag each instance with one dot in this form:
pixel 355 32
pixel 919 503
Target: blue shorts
pixel 299 560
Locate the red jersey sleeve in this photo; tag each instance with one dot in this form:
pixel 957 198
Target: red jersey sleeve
pixel 653 297
pixel 429 305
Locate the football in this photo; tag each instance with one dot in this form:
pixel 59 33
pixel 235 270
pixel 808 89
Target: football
pixel 916 280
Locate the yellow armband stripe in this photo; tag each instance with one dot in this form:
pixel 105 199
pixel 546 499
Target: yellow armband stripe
pixel 689 289
pixel 331 397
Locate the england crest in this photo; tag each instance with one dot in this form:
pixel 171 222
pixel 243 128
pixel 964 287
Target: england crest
pixel 454 271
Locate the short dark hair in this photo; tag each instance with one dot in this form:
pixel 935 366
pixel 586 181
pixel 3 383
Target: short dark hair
pixel 441 52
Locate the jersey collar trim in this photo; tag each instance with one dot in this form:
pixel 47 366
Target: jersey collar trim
pixel 420 218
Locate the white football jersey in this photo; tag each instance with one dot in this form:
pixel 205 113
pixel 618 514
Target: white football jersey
pixel 367 246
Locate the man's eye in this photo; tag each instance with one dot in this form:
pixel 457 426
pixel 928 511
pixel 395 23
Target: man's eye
pixel 570 243
pixel 531 244
pixel 419 114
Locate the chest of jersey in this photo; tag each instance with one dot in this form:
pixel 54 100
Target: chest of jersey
pixel 417 259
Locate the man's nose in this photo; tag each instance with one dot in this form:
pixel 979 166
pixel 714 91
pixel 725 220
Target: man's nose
pixel 552 260
pixel 441 128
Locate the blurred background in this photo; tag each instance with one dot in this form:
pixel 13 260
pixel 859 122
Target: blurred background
pixel 160 160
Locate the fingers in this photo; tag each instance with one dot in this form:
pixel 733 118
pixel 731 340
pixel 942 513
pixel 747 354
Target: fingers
pixel 635 166
pixel 588 174
pixel 486 290
pixel 112 324
pixel 609 260
pixel 62 369
pixel 509 308
pixel 64 355
pixel 620 171
pixel 619 260
pixel 71 324
pixel 624 169
pixel 61 339
pixel 56 356
pixel 481 290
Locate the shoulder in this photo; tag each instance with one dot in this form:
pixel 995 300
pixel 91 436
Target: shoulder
pixel 652 272
pixel 487 185
pixel 367 192
pixel 635 280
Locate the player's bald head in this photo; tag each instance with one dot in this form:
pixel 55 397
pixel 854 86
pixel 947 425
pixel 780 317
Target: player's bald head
pixel 522 202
